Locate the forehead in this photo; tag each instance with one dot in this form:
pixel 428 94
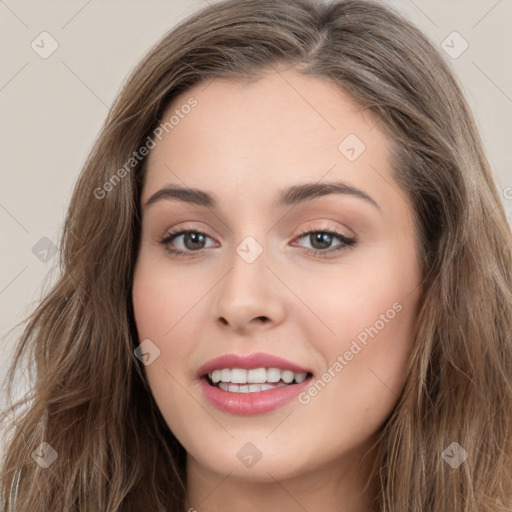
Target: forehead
pixel 266 133
pixel 303 104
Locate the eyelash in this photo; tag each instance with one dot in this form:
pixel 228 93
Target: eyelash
pixel 347 242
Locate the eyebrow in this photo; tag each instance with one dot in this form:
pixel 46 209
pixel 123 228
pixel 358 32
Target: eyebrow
pixel 287 197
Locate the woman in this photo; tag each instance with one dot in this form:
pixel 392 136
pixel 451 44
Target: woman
pixel 259 373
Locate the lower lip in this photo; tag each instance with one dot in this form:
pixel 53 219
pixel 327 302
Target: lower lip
pixel 248 404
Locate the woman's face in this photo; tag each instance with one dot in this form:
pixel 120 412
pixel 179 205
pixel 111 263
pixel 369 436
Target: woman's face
pixel 279 264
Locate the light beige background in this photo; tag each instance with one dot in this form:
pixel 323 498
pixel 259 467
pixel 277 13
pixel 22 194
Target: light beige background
pixel 52 109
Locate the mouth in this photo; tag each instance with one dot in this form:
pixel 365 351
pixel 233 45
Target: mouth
pixel 251 384
pixel 254 380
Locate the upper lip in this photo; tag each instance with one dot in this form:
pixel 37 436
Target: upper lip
pixel 256 360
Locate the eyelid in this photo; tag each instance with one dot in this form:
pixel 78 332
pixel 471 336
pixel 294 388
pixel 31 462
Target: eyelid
pixel 191 226
pixel 326 228
pixel 187 226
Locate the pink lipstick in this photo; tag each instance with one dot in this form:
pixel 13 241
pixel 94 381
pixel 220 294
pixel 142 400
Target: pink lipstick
pixel 251 384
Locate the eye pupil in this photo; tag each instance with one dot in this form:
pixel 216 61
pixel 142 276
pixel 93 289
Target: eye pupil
pixel 197 238
pixel 325 240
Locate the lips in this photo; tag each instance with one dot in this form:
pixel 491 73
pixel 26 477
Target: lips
pixel 249 362
pixel 251 384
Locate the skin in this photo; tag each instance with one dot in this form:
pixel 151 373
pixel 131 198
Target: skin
pixel 244 142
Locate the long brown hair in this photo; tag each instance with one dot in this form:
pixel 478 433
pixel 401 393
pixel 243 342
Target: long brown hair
pixel 89 398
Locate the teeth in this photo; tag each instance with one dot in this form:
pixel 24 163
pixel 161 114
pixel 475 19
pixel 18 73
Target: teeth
pixel 287 376
pixel 257 375
pixel 253 377
pixel 273 375
pixel 238 376
pixel 299 377
pixel 248 388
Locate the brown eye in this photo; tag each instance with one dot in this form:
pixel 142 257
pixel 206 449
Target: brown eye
pixel 193 241
pixel 321 240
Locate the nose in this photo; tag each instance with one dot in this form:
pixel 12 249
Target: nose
pixel 250 294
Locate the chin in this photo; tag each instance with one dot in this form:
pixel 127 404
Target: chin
pixel 245 461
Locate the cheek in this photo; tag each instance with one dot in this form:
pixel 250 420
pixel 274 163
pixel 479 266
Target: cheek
pixel 371 313
pixel 161 299
pixel 160 305
pixel 374 297
pixel 365 367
